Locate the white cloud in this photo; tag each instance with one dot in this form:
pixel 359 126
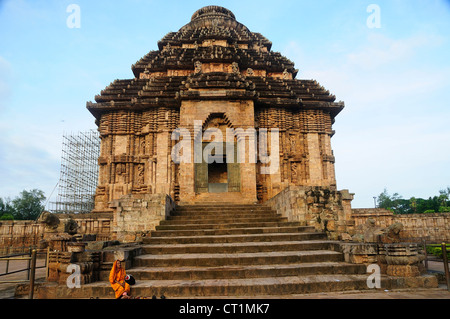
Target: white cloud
pixel 394 129
pixel 380 50
pixel 26 164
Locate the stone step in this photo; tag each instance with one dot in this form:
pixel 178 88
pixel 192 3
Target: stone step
pixel 246 247
pixel 216 210
pixel 230 231
pixel 223 216
pixel 235 238
pixel 218 260
pixel 271 286
pixel 244 272
pixel 223 206
pixel 253 287
pixel 222 220
pixel 191 226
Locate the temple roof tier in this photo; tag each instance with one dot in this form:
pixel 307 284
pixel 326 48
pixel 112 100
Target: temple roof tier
pixel 214 57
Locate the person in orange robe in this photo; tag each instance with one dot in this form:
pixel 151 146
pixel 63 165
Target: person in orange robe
pixel 117 279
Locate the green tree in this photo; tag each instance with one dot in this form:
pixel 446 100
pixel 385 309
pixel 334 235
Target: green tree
pixel 403 206
pixel 6 209
pixel 29 205
pixel 413 204
pixel 393 202
pixel 444 199
pixel 384 200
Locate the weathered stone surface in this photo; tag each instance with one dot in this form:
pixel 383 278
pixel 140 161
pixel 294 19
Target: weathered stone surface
pixel 403 270
pixel 219 251
pixel 403 259
pixel 433 227
pixel 215 71
pixel 327 210
pixel 137 215
pixel 359 253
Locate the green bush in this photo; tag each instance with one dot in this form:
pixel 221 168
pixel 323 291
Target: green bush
pixel 430 211
pixel 444 209
pixel 7 217
pixel 436 250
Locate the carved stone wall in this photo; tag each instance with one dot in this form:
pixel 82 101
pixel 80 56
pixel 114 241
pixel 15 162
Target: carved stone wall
pixel 134 151
pixel 435 226
pixel 17 235
pixel 306 157
pixel 237 114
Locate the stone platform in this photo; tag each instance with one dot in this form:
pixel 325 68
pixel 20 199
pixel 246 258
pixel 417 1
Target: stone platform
pixel 219 251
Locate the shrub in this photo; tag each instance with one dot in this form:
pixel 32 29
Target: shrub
pixel 444 209
pixel 7 217
pixel 430 211
pixel 436 250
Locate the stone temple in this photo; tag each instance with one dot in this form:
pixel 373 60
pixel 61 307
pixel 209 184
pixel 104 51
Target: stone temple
pixel 216 72
pixel 190 216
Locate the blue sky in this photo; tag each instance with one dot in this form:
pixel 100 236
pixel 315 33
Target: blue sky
pixel 394 132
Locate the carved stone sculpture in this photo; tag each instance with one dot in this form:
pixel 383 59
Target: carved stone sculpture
pixel 50 220
pixel 71 227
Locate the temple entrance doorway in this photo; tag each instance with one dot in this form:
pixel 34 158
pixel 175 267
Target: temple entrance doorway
pixel 216 175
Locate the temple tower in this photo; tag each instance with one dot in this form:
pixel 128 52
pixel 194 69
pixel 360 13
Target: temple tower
pixel 212 77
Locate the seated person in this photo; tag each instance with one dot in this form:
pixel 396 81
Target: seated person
pixel 117 280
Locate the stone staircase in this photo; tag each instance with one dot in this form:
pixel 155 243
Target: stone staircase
pixel 223 250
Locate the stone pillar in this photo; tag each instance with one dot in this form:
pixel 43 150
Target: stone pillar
pixel 328 160
pixel 162 165
pixel 248 168
pixel 315 160
pixel 187 174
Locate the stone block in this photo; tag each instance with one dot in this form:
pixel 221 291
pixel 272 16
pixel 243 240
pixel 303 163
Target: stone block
pixel 403 270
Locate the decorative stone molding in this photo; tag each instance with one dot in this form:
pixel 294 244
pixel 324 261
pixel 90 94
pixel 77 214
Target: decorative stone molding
pixel 404 260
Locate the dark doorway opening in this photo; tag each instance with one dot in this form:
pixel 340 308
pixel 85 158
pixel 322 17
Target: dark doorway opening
pixel 218 177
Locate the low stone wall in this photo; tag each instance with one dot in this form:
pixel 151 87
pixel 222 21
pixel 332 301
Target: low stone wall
pixel 383 217
pixel 15 236
pixel 98 224
pixel 330 211
pixel 137 215
pixel 434 226
pixel 134 216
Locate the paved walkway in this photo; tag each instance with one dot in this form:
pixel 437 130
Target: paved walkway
pixel 438 293
pixel 7 289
